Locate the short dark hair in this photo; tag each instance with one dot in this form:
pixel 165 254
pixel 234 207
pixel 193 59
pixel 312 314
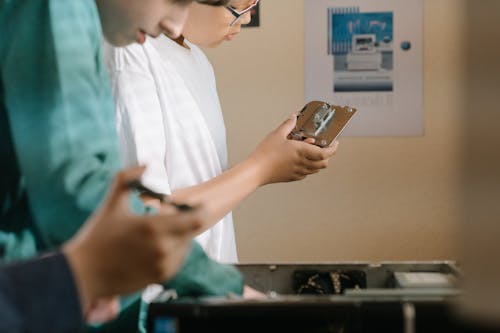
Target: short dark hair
pixel 205 2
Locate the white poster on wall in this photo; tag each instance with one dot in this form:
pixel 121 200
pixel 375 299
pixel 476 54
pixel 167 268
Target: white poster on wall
pixel 367 54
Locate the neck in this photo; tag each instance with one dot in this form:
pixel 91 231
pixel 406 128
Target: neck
pixel 180 41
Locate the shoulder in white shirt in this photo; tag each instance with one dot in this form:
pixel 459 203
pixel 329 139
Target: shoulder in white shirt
pixel 169 118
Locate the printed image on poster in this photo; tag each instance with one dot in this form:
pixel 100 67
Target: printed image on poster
pixel 361 48
pixel 369 55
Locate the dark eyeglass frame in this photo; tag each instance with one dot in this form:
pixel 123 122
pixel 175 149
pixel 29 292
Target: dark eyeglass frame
pixel 238 14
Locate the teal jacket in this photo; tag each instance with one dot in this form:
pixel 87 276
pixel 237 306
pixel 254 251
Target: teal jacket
pixel 58 142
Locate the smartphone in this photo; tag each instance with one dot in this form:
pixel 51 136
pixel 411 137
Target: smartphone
pixel 322 121
pixel 137 185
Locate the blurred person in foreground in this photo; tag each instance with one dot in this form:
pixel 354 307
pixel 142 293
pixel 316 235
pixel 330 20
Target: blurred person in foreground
pixel 58 144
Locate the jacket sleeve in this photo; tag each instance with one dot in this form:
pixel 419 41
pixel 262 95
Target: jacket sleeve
pixel 39 296
pixel 201 276
pixel 60 111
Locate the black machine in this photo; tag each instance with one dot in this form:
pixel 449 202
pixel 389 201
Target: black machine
pixel 359 297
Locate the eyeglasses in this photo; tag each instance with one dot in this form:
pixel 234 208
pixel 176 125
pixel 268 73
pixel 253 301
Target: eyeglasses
pixel 239 14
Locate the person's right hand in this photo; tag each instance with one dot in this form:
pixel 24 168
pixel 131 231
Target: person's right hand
pixel 279 159
pixel 118 252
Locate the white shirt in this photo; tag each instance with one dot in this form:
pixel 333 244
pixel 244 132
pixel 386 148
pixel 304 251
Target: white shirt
pixel 169 118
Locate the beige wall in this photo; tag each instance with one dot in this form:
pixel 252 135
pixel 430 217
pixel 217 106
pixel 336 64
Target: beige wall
pixel 381 198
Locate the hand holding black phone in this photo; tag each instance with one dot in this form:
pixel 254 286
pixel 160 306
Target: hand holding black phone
pixel 137 185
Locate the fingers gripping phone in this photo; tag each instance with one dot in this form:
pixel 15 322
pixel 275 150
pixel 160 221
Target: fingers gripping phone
pixel 321 121
pixel 136 185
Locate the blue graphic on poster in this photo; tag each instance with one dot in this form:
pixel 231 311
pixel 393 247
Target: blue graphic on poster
pixel 361 45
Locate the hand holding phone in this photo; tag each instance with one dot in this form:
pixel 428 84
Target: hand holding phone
pixel 137 185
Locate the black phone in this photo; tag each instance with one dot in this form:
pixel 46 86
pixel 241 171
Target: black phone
pixel 137 185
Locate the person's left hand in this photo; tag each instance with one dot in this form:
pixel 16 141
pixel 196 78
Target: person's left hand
pixel 280 159
pixel 250 293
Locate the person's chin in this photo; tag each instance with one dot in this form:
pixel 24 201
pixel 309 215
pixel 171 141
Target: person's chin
pixel 119 40
pixel 230 37
pixel 207 44
pixel 216 44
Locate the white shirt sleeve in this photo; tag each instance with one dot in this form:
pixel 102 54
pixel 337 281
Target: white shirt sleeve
pixel 140 126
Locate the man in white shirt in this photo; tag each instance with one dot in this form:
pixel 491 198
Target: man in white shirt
pixel 169 118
